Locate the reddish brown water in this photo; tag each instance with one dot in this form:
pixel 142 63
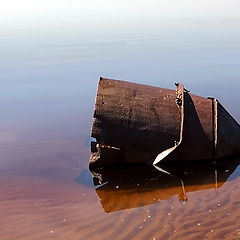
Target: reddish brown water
pixel 51 57
pixel 47 193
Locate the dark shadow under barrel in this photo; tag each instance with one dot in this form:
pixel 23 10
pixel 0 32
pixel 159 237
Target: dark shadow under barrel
pixel 135 185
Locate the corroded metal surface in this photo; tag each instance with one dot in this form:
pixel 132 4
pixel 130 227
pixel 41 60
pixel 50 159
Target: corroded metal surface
pixel 149 124
pixel 228 133
pixel 130 116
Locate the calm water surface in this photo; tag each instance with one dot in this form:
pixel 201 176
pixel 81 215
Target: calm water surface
pixel 48 87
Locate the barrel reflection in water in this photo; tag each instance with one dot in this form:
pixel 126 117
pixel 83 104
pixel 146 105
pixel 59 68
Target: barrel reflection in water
pixel 132 186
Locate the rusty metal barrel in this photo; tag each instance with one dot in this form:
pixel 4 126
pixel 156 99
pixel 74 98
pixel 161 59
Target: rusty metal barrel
pixel 140 123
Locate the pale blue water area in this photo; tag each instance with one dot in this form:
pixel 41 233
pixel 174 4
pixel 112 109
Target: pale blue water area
pixel 48 82
pixel 203 55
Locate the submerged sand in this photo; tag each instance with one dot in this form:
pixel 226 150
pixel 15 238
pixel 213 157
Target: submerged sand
pixel 42 199
pixel 37 208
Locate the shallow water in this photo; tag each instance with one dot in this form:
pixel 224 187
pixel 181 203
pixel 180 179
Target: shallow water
pixel 48 83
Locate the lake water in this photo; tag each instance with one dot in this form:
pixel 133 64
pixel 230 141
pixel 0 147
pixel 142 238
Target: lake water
pixel 48 84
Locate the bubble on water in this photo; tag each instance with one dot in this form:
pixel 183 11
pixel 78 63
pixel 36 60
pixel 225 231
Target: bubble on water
pixel 199 224
pixel 141 227
pixel 219 204
pixel 209 210
pixel 51 231
pixel 117 186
